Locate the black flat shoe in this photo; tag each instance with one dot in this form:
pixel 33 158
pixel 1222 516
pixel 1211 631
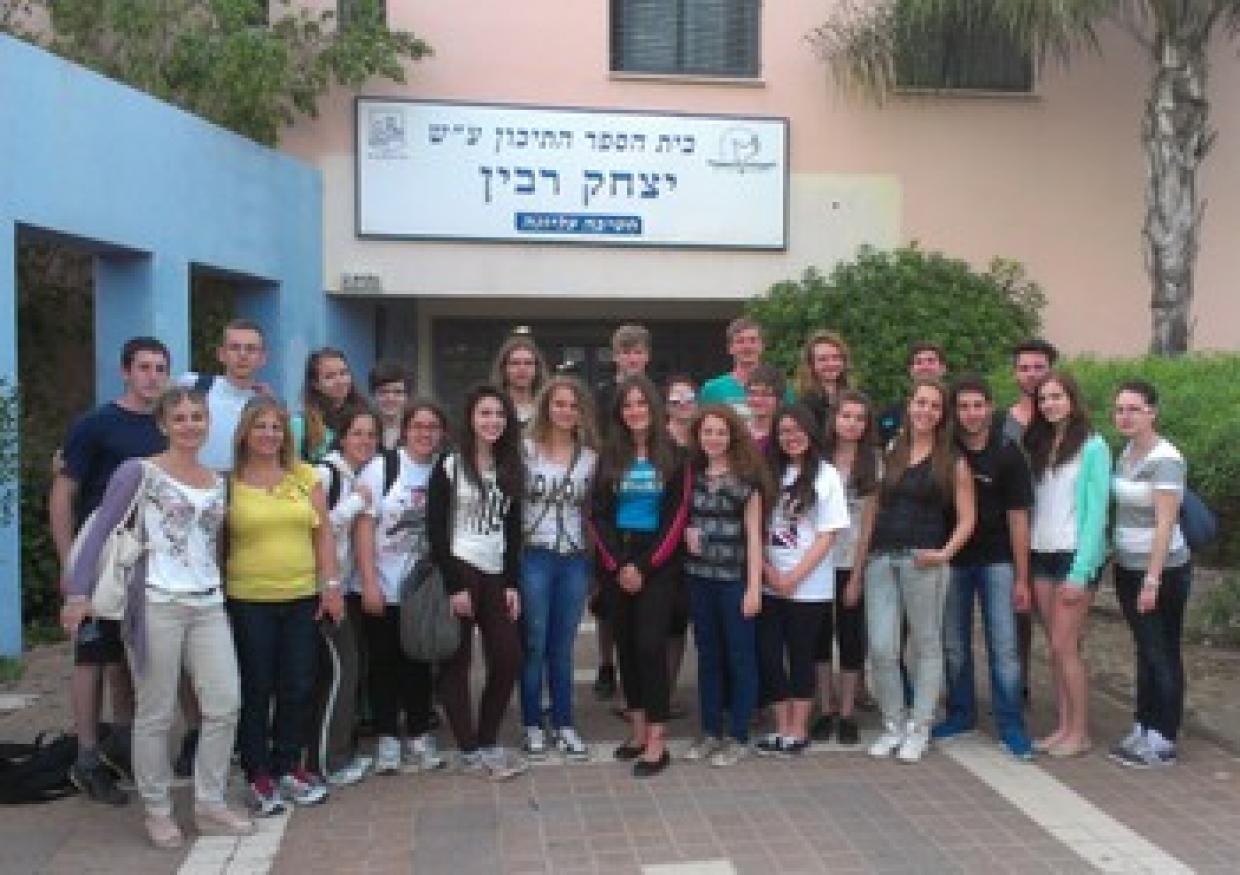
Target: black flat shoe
pixel 629 751
pixel 650 768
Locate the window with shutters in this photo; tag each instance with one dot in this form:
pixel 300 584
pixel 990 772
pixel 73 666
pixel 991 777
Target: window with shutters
pixel 966 53
pixel 686 37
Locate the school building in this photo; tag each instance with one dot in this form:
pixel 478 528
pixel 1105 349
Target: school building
pixel 567 166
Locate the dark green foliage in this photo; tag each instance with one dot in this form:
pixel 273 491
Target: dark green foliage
pixel 1199 403
pixel 218 59
pixel 883 301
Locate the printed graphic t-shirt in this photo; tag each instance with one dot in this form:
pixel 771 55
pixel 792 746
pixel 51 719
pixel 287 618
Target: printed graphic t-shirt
pixel 791 535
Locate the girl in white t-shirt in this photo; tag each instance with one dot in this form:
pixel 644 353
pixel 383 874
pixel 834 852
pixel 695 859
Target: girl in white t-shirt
pixel 474 526
pixel 333 751
pixel 555 568
pixel 800 580
pixel 389 539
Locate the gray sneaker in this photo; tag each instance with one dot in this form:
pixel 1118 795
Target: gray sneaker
pixel 422 753
pixel 1142 755
pixel 703 748
pixel 729 753
pixel 387 755
pixel 502 764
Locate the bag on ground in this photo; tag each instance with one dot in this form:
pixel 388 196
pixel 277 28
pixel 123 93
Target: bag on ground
pixel 38 772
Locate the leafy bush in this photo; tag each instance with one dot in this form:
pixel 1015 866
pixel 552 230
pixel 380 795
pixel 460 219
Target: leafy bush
pixel 1199 398
pixel 884 301
pixel 1215 618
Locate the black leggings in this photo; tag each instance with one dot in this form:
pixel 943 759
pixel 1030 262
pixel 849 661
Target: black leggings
pixel 787 634
pixel 397 683
pixel 642 623
pixel 848 623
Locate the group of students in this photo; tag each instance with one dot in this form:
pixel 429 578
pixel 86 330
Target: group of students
pixel 781 523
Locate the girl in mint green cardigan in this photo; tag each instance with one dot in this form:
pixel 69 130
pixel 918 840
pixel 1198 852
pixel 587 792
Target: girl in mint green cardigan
pixel 1071 467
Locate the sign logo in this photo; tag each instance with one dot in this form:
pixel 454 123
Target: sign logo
pixel 739 150
pixel 387 134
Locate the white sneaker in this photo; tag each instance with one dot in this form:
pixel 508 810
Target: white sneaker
pixel 422 753
pixel 916 741
pixel 535 745
pixel 570 745
pixel 729 753
pixel 888 743
pixel 703 748
pixel 387 755
pixel 350 773
pixel 502 764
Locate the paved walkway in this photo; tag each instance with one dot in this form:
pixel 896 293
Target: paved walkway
pixel 965 808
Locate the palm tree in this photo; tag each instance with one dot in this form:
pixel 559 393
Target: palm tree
pixel 863 43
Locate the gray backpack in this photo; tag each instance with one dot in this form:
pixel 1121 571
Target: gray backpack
pixel 429 631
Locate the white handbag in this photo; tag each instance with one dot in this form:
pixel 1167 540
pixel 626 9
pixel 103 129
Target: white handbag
pixel 125 545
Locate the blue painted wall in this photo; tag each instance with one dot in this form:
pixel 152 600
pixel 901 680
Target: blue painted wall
pixel 157 191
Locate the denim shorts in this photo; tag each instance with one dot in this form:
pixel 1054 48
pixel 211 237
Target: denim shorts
pixel 1054 567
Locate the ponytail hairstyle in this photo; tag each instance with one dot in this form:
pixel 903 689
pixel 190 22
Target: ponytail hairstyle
pixel 319 412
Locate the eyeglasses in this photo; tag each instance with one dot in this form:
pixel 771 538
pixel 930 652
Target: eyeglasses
pixel 1130 411
pixel 391 391
pixel 680 400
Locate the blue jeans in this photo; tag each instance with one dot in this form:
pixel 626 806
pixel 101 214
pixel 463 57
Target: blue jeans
pixel 277 654
pixel 992 586
pixel 722 632
pixel 553 596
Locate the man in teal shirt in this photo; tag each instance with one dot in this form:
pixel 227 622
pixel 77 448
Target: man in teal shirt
pixel 745 346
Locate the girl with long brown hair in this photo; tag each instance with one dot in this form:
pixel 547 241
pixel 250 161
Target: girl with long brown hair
pixel 823 373
pixel 640 506
pixel 555 566
pixel 520 371
pixel 328 395
pixel 723 571
pixel 910 544
pixel 852 447
pixel 1071 467
pixel 808 514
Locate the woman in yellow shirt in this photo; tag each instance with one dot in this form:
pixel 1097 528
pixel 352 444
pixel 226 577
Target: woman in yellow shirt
pixel 282 579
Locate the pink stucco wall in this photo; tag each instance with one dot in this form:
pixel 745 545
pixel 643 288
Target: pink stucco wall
pixel 1054 180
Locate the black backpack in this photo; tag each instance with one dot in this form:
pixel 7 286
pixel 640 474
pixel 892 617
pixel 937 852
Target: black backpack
pixel 335 483
pixel 38 772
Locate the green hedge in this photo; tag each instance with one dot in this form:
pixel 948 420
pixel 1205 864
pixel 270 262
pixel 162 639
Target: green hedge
pixel 884 301
pixel 1199 412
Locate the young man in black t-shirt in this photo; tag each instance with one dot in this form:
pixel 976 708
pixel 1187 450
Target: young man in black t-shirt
pixel 993 566
pixel 97 444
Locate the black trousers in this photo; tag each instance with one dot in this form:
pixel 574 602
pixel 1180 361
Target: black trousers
pixel 398 685
pixel 642 623
pixel 1157 634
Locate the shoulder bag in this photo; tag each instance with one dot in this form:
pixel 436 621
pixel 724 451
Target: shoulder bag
pixel 429 631
pixel 124 547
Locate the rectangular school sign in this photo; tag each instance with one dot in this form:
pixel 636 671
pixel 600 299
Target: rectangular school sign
pixel 455 171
